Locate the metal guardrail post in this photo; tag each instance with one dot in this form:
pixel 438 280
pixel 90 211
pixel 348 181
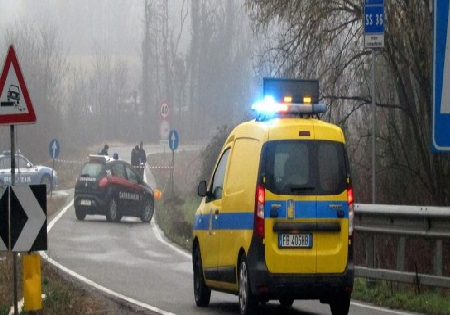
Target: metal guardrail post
pixel 401 246
pixel 437 262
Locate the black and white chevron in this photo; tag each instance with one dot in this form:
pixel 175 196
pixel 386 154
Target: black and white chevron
pixel 26 218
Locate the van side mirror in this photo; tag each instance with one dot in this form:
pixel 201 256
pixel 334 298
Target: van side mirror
pixel 201 189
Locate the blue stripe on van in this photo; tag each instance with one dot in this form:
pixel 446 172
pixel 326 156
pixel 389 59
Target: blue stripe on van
pixel 244 220
pixel 225 221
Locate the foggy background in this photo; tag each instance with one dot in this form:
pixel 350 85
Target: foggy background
pixel 98 71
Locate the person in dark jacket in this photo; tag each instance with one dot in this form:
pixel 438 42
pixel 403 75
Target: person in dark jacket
pixel 135 156
pixel 104 151
pixel 142 155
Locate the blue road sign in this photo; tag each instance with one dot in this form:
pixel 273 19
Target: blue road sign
pixel 53 149
pixel 441 78
pixel 374 23
pixel 173 140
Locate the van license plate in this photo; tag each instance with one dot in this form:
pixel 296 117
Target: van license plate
pixel 294 240
pixel 85 202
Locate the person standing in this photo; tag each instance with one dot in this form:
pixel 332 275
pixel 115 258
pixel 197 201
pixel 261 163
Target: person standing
pixel 142 155
pixel 135 157
pixel 104 151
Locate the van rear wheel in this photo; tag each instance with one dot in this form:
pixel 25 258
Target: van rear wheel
pixel 202 293
pixel 286 301
pixel 340 305
pixel 248 302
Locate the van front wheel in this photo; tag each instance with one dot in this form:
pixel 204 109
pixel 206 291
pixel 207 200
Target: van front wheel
pixel 248 302
pixel 202 293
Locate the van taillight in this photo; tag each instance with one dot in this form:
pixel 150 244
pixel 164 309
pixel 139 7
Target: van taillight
pixel 103 182
pixel 259 212
pixel 351 212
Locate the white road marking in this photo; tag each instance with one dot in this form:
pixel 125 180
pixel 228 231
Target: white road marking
pixel 160 238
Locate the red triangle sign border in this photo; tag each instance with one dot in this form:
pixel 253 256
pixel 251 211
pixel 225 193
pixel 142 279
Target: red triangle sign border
pixel 16 118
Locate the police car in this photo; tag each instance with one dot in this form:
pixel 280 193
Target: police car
pixel 112 187
pixel 276 218
pixel 25 172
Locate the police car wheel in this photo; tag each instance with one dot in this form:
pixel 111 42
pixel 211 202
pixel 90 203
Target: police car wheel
pixel 46 180
pixel 248 302
pixel 202 293
pixel 147 210
pixel 80 214
pixel 340 305
pixel 286 301
pixel 112 212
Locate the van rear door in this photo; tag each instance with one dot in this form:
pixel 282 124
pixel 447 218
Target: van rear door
pixel 290 210
pixel 306 217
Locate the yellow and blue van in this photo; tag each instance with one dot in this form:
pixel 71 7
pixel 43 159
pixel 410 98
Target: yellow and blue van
pixel 276 218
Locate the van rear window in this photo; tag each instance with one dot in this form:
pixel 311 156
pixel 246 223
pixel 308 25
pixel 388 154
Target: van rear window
pixel 295 167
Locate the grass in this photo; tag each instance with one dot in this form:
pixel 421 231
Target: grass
pixel 401 296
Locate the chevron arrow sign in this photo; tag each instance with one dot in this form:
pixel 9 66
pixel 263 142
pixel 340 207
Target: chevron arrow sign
pixel 27 218
pixel 4 223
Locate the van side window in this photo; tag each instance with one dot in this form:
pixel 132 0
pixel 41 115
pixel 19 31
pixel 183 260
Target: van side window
pixel 219 176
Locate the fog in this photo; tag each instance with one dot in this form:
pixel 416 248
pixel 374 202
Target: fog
pixel 99 71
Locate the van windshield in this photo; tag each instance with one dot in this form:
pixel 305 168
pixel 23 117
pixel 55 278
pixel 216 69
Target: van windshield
pixel 295 167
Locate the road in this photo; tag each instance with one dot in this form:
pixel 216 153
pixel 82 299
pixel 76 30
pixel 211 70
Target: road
pixel 134 261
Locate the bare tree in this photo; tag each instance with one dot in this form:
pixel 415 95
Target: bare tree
pixel 323 39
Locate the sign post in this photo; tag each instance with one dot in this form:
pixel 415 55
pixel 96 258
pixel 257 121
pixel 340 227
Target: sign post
pixel 373 39
pixel 173 145
pixel 53 149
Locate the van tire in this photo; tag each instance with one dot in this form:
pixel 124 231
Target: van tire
pixel 248 302
pixel 340 305
pixel 202 293
pixel 286 301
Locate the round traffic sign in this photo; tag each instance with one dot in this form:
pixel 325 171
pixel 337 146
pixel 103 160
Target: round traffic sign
pixel 164 110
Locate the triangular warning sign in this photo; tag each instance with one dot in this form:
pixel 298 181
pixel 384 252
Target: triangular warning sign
pixel 15 103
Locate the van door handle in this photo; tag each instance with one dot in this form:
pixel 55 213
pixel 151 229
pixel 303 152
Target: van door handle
pixel 216 211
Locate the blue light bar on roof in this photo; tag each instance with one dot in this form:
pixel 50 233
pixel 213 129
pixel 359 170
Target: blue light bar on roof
pixel 270 107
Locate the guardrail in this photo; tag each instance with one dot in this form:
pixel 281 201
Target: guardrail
pixel 402 222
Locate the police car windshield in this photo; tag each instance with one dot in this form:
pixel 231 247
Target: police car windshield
pixel 91 169
pixel 295 167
